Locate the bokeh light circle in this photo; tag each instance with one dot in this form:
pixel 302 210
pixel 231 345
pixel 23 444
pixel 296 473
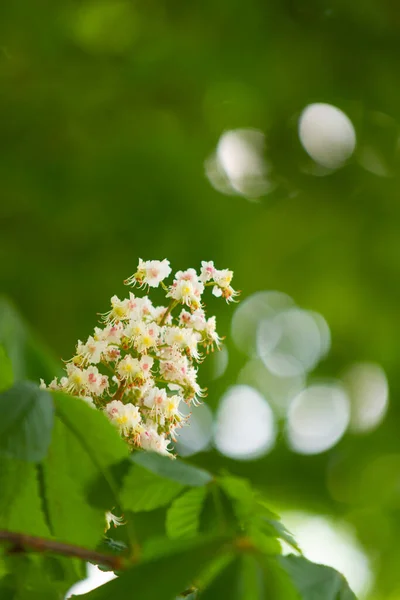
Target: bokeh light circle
pixel 327 134
pixel 291 342
pixel 317 418
pixel 368 390
pixel 195 436
pixel 249 314
pixel 245 426
pixel 279 391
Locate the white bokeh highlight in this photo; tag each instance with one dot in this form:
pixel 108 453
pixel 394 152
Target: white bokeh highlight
pixel 333 544
pixel 292 342
pixel 368 390
pixel 327 134
pixel 238 166
pixel 251 312
pixel 195 436
pixel 245 426
pixel 279 391
pixel 317 418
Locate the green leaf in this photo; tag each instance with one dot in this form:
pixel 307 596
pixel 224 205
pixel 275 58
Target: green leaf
pixel 30 579
pixel 29 357
pixel 174 469
pixel 94 431
pixel 275 527
pixel 85 446
pixel 6 372
pixel 26 421
pixel 241 493
pixel 316 582
pixel 164 577
pixel 68 473
pixel 250 577
pixel 225 584
pixel 21 507
pixel 183 516
pixel 143 490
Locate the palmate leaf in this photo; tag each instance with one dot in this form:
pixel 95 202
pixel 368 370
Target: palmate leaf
pixel 68 473
pixel 183 516
pixel 250 576
pixel 274 525
pixel 175 470
pixel 85 446
pixel 143 490
pixel 252 514
pixel 21 508
pixel 26 421
pixel 316 582
pixel 164 577
pixel 154 480
pixel 34 577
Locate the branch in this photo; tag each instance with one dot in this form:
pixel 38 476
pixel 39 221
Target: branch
pixel 23 543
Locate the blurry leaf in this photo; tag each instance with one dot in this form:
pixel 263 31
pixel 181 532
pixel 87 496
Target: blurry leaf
pixel 29 357
pixel 174 469
pixel 251 584
pixel 63 571
pixel 278 584
pixel 316 582
pixel 85 446
pixel 144 490
pixel 250 577
pixel 241 492
pixel 164 577
pixel 102 496
pixel 20 500
pixel 29 579
pixel 183 516
pixel 6 372
pixel 277 528
pixel 225 584
pixel 26 421
pixel 266 543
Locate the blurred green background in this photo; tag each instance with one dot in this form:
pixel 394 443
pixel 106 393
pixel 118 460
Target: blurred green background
pixel 109 111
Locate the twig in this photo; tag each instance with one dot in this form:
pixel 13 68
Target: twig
pixel 23 543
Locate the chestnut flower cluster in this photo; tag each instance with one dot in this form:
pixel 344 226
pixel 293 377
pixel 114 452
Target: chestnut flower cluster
pixel 149 354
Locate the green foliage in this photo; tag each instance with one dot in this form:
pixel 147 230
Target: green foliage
pixel 143 490
pixel 68 473
pixel 64 464
pixel 6 372
pixel 21 507
pixel 175 470
pixel 247 577
pixel 26 421
pixel 29 357
pixel 183 516
pixel 167 575
pixel 221 538
pixel 85 446
pixel 316 581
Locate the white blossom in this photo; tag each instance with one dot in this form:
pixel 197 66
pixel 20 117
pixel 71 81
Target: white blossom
pixel 152 355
